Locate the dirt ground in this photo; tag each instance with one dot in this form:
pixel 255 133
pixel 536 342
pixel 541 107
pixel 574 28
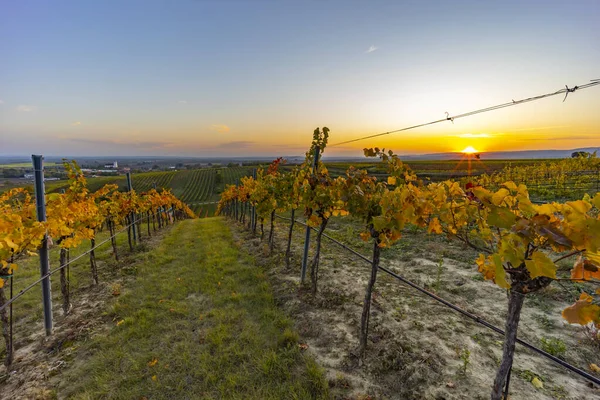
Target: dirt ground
pixel 39 359
pixel 417 347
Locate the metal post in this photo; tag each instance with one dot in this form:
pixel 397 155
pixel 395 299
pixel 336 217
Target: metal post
pixel 308 229
pixel 40 203
pixel 132 216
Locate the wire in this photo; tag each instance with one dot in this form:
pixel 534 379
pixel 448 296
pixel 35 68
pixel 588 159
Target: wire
pixel 47 275
pixel 450 118
pixel 467 314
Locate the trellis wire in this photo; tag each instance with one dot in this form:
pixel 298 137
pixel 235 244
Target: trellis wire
pixel 32 285
pixel 467 314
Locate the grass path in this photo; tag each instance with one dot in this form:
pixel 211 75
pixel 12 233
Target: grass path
pixel 198 322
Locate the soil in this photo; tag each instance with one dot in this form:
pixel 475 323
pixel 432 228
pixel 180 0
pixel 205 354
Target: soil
pixel 417 347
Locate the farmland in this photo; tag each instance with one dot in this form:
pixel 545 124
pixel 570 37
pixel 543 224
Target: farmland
pixel 199 188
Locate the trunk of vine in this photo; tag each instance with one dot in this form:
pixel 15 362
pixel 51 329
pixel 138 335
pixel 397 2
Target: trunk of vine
pixel 113 239
pixel 138 223
pixel 6 329
pixel 128 222
pixel 148 222
pixel 366 312
pixel 158 218
pixel 289 243
pixel 314 267
pixel 64 283
pixel 93 265
pixel 262 229
pixel 515 303
pixel 271 232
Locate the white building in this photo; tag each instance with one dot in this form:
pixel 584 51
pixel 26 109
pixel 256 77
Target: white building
pixel 114 165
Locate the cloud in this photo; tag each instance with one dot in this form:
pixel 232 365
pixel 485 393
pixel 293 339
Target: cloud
pixel 566 137
pixel 182 101
pixel 140 144
pixel 240 144
pixel 474 135
pixel 26 108
pixel 219 128
pixel 76 123
pixel 541 128
pixel 371 49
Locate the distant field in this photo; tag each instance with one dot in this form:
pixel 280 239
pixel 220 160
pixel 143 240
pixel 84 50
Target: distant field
pixel 436 170
pixel 26 165
pixel 196 187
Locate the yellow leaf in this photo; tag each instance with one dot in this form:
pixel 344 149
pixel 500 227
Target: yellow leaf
pixel 580 206
pixel 154 378
pixel 583 311
pixel 391 180
pixel 499 196
pixel 537 383
pixel 435 226
pixel 540 265
pixel 596 200
pixel 120 322
pixel 153 362
pixel 594 368
pixel 365 236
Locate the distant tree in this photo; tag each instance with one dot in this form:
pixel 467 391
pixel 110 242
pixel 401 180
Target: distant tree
pixel 231 165
pixel 580 154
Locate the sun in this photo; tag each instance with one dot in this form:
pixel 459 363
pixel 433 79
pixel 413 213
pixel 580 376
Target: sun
pixel 469 150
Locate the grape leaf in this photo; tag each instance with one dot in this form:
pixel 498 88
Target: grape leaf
pixel 540 265
pixel 583 311
pixel 501 218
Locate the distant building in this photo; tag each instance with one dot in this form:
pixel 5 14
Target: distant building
pixel 114 165
pixel 28 176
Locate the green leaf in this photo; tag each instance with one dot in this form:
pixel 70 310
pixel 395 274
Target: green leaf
pixel 541 265
pixel 501 218
pixel 379 223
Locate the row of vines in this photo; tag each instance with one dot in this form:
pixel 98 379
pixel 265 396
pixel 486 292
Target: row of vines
pixel 519 242
pixel 567 178
pixel 74 216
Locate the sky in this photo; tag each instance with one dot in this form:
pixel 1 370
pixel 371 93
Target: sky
pixel 256 77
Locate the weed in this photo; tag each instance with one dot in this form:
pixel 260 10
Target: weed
pixel 556 347
pixel 465 356
pixel 544 321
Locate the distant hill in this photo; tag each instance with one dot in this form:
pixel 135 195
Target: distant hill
pixel 504 155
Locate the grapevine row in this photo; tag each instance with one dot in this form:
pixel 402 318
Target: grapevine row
pixel 519 242
pixel 74 216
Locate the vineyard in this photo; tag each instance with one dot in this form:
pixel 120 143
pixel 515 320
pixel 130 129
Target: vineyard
pixel 65 227
pixel 199 188
pixel 524 248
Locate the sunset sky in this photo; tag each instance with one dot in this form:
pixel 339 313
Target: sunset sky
pixel 255 77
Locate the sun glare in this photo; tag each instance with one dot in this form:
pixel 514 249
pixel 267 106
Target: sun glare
pixel 469 150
